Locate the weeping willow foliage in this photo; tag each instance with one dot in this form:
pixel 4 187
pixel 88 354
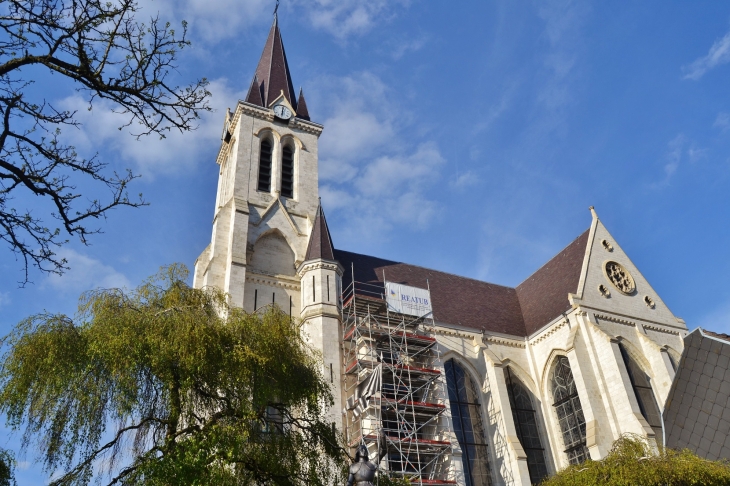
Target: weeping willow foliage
pixel 632 462
pixel 7 466
pixel 155 386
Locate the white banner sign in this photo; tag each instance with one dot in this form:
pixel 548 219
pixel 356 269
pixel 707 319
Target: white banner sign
pixel 405 299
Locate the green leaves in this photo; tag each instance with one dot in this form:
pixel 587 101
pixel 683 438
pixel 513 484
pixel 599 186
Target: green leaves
pixel 632 461
pixel 175 385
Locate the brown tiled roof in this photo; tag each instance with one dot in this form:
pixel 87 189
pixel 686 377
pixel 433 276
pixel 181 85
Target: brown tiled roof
pixel 482 305
pixel 544 294
pixel 719 335
pixel 320 241
pixel 456 300
pixel 272 71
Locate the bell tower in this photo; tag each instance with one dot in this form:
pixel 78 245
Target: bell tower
pixel 268 196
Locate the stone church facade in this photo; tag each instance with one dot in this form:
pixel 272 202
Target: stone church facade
pixel 504 385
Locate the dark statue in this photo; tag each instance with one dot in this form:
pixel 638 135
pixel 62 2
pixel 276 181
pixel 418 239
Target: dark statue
pixel 362 471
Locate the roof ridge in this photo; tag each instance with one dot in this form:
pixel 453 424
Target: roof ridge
pixel 553 257
pixel 430 269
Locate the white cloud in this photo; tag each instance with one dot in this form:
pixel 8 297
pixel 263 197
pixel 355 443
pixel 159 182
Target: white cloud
pixel 4 298
pixel 400 48
pixel 151 155
pixel 464 180
pixel 719 54
pixel 722 121
pixel 679 150
pixel 375 173
pixel 343 18
pixel 85 273
pixel 212 21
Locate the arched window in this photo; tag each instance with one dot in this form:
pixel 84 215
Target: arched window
pixel 287 172
pixel 467 417
pixel 641 384
pixel 525 418
pixel 265 166
pixel 570 413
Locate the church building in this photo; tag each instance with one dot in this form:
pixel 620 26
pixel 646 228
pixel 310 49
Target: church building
pixel 446 379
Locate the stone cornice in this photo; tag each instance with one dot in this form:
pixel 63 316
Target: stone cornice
pixel 549 332
pixel 319 264
pixel 284 282
pixel 306 126
pixel 661 329
pixel 617 320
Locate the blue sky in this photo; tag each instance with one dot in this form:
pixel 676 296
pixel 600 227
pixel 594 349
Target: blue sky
pixel 469 137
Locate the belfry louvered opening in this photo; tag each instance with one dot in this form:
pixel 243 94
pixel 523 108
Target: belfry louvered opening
pixel 264 183
pixel 287 172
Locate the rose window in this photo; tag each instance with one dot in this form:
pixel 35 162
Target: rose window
pixel 620 277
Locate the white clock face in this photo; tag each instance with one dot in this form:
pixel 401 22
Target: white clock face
pixel 282 112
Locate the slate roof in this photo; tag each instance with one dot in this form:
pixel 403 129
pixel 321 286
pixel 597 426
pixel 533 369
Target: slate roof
pixel 544 294
pixel 272 73
pixel 696 414
pixel 302 111
pixel 320 241
pixel 481 305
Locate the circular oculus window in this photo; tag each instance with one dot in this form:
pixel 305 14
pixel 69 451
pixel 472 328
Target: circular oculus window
pixel 619 277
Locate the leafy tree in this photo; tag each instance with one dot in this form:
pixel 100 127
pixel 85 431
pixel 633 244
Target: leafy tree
pixel 7 465
pixel 101 48
pixel 156 387
pixel 632 461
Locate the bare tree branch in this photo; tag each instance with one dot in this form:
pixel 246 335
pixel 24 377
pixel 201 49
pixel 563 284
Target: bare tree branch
pixel 103 48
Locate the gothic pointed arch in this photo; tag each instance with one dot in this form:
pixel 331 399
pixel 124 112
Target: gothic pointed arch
pixel 273 255
pixel 266 157
pixel 522 403
pixel 568 410
pixel 642 388
pixel 466 413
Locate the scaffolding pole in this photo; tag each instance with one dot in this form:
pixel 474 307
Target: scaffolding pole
pixel 405 424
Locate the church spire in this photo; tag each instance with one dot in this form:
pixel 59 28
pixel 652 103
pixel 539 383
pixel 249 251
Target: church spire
pixel 272 74
pixel 320 242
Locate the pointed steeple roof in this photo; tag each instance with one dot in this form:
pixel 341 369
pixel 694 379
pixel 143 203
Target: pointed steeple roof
pixel 302 111
pixel 272 73
pixel 254 92
pixel 320 243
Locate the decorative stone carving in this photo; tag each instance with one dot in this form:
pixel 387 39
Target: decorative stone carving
pixel 619 277
pixel 607 245
pixel 649 302
pixel 603 290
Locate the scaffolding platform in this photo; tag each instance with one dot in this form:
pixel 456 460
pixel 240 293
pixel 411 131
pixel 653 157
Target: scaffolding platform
pixel 391 357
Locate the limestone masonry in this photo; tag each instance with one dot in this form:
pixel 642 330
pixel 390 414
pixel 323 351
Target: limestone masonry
pixel 496 385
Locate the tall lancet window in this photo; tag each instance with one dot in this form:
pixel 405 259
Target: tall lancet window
pixel 287 172
pixel 265 166
pixel 525 418
pixel 467 417
pixel 641 384
pixel 570 413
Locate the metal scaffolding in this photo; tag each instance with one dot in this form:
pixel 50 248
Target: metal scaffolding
pixel 404 420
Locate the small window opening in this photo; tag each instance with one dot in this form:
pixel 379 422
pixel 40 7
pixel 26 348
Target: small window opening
pixel 328 288
pixel 314 291
pixel 265 166
pixel 287 172
pixel 255 299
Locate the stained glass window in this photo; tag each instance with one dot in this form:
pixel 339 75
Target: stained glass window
pixel 570 413
pixel 641 384
pixel 468 425
pixel 525 419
